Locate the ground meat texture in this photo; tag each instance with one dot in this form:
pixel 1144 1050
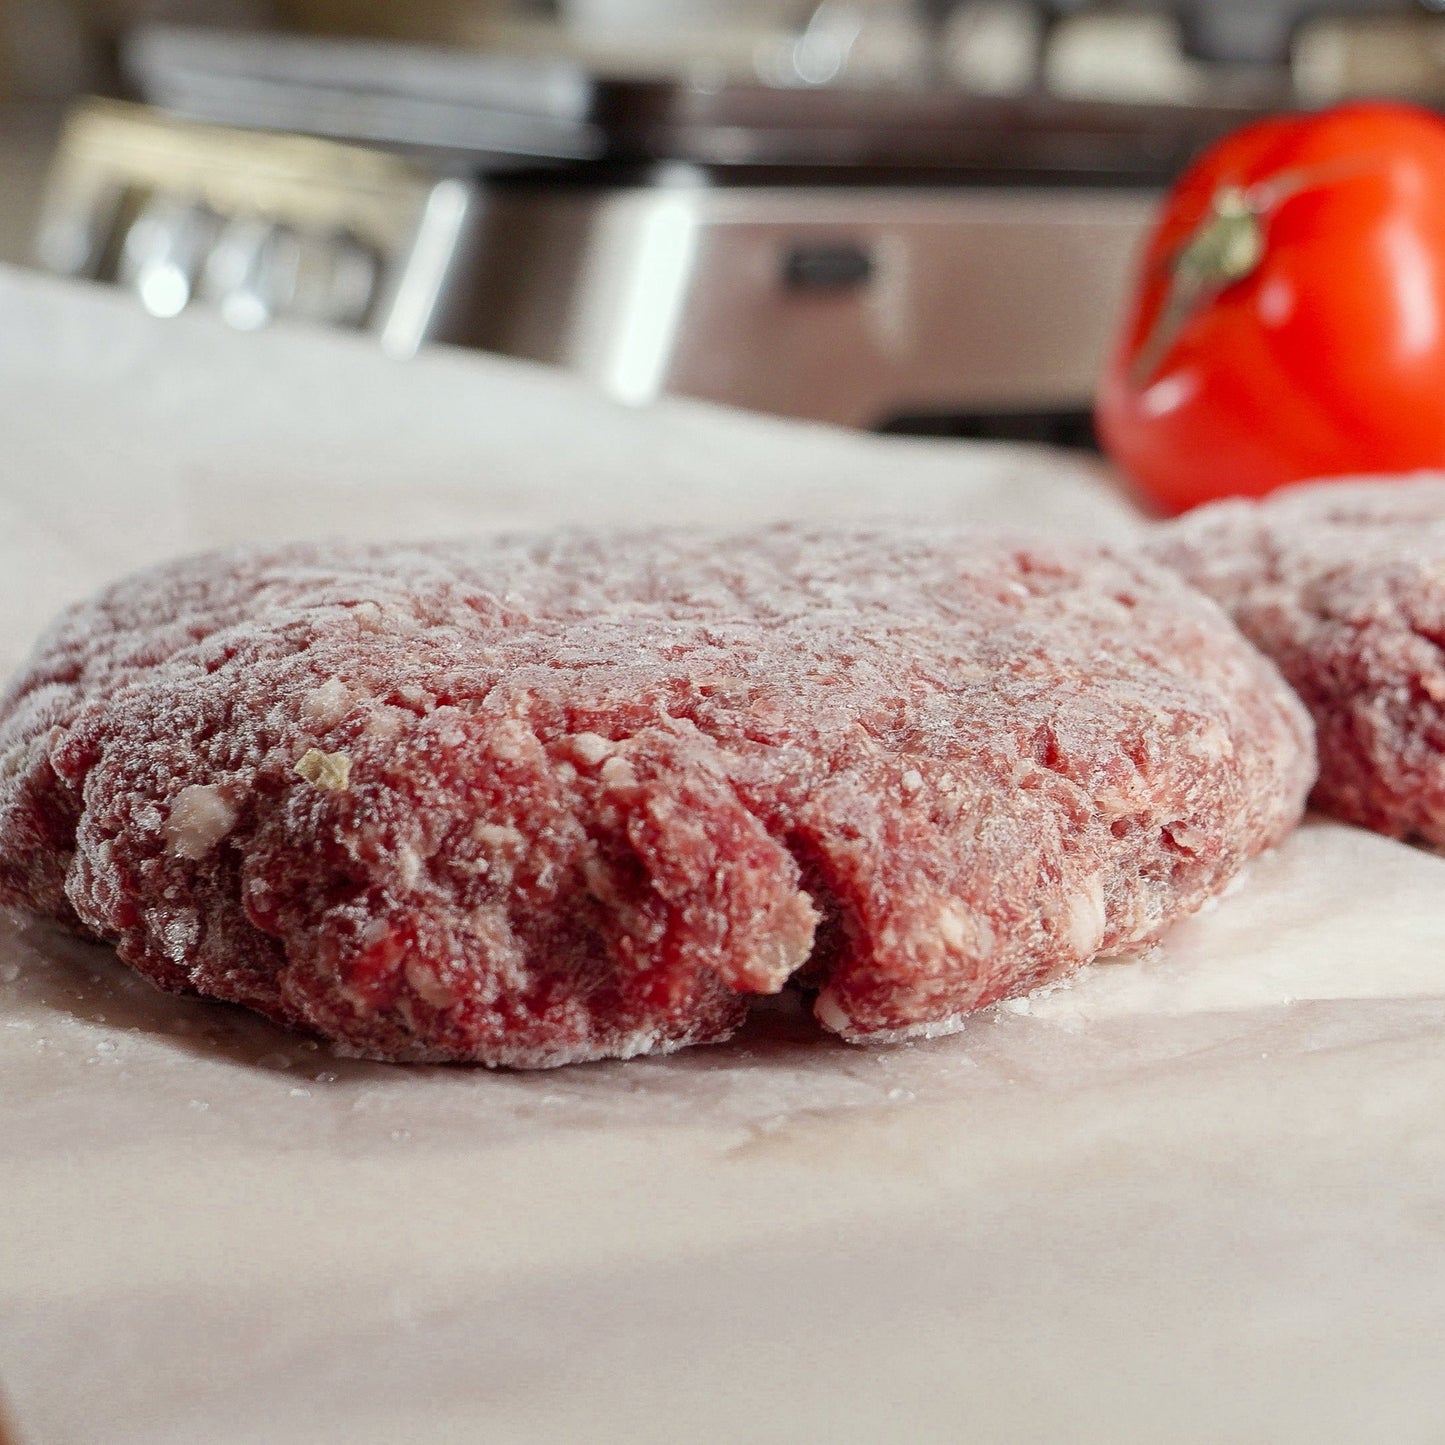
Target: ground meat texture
pixel 532 800
pixel 1343 585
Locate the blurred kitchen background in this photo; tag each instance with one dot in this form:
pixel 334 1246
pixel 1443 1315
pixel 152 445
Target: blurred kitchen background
pixel 911 215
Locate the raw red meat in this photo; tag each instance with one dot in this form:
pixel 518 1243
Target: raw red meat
pixel 1343 585
pixel 541 799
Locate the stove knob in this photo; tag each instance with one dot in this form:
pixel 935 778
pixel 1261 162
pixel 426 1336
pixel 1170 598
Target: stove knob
pixel 252 271
pixel 336 280
pixel 162 252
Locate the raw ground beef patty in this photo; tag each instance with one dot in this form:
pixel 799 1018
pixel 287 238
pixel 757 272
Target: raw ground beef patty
pixel 540 799
pixel 1343 585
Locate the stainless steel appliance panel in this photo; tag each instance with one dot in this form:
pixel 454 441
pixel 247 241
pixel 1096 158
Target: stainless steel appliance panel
pixel 851 305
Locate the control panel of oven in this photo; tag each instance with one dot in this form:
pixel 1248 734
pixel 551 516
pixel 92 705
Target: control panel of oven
pixel 259 227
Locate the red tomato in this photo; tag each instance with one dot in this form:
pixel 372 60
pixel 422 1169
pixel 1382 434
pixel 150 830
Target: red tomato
pixel 1290 320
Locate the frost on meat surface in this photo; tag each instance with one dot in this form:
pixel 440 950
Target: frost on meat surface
pixel 1343 585
pixel 541 799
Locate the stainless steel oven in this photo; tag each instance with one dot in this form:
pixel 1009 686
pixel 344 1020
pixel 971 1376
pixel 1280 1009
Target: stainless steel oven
pixel 922 256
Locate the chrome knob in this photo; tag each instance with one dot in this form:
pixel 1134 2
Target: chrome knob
pixel 162 252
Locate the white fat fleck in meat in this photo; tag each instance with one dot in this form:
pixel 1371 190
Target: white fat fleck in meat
pixel 1187 838
pixel 591 749
pixel 427 985
pixel 368 616
pixel 511 741
pixel 1084 918
pixel 1116 802
pixel 449 735
pixel 200 817
pixel 323 707
pixel 833 1017
pixel 408 866
pixel 964 931
pixel 787 947
pixel 721 683
pixel 599 880
pixel 498 837
pixel 618 774
pixel 385 723
pixel 1211 742
pixel 180 934
pixel 829 1013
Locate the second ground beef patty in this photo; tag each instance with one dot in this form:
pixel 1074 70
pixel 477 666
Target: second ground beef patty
pixel 1343 585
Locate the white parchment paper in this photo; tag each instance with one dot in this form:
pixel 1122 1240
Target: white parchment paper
pixel 1199 1197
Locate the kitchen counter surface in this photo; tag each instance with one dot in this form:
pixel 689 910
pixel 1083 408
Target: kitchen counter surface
pixel 1192 1198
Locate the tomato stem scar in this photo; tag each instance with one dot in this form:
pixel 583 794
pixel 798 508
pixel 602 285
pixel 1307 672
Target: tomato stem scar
pixel 1227 246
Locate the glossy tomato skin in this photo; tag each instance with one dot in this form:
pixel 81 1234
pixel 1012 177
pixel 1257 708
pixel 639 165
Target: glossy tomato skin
pixel 1329 357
